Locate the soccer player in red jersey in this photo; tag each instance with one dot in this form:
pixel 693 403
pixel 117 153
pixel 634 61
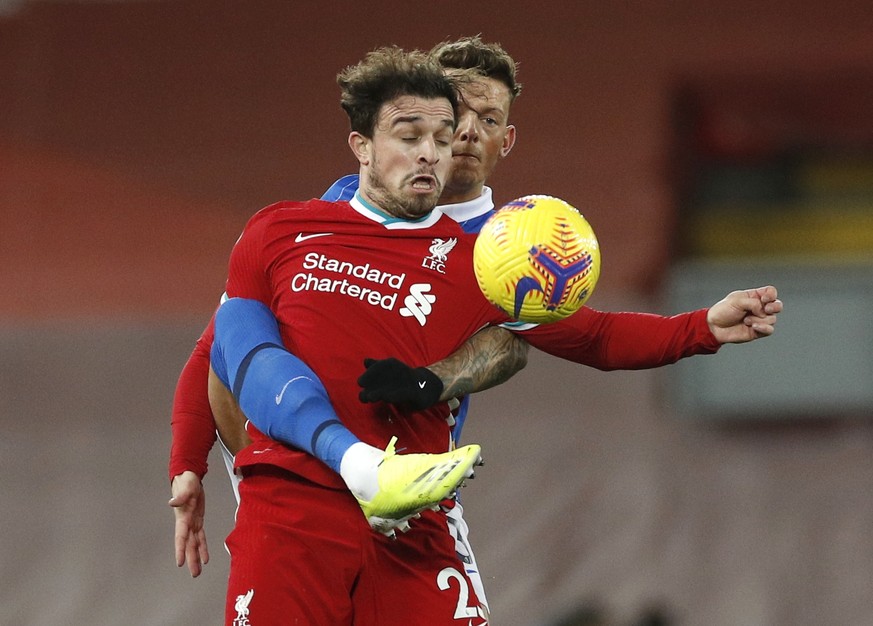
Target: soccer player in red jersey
pixel 604 340
pixel 346 282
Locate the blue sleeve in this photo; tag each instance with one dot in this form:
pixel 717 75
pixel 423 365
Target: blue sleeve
pixel 342 190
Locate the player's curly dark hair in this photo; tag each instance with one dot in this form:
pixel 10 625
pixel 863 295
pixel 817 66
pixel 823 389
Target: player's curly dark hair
pixel 488 59
pixel 384 74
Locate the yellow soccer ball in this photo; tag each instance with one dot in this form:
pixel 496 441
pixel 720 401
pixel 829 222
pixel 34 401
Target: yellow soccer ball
pixel 537 259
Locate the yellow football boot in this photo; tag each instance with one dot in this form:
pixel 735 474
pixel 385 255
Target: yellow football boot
pixel 411 483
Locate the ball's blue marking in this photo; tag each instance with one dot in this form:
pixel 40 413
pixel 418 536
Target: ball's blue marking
pixel 523 287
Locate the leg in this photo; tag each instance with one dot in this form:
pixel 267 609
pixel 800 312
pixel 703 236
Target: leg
pixel 276 390
pixel 296 552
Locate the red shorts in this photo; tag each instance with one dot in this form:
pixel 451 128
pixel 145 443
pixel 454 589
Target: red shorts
pixel 421 578
pixel 301 553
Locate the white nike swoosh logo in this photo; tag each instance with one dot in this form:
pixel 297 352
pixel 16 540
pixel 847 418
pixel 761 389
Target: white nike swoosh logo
pixel 301 237
pixel 422 384
pixel 281 394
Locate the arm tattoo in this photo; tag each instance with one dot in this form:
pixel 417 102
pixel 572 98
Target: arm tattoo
pixel 490 357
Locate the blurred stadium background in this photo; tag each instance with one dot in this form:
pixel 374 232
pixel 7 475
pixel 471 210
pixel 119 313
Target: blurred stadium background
pixel 712 145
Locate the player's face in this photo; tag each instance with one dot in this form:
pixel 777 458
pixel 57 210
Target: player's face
pixel 483 137
pixel 406 163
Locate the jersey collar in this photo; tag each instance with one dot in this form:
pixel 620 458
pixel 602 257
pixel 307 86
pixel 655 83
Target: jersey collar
pixel 463 211
pixel 372 212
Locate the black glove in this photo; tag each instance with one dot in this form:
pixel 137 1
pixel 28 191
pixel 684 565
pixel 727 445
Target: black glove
pixel 393 381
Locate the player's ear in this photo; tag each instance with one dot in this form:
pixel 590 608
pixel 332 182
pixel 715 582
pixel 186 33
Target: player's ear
pixel 360 146
pixel 508 140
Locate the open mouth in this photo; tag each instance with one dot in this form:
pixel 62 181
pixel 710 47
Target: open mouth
pixel 424 183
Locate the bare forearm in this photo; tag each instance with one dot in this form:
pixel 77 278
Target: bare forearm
pixel 491 357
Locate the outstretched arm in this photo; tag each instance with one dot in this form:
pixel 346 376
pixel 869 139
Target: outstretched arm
pixel 630 341
pixel 624 340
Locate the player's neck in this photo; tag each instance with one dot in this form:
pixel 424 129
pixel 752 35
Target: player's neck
pixel 456 196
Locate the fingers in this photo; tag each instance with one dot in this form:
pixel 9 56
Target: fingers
pixel 190 547
pixel 764 325
pixel 180 541
pixel 761 301
pixel 765 294
pixel 773 307
pixel 193 555
pixel 765 308
pixel 194 566
pixel 750 301
pixel 204 549
pixel 769 298
pixel 762 329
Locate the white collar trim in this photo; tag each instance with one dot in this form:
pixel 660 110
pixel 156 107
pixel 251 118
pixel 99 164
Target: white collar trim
pixel 389 221
pixel 463 211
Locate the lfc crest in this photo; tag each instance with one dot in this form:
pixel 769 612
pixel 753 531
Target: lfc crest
pixel 439 251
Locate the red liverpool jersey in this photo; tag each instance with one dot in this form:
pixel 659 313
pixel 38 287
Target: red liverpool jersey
pixel 346 283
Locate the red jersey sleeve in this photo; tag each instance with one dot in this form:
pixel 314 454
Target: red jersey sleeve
pixel 611 341
pixel 192 424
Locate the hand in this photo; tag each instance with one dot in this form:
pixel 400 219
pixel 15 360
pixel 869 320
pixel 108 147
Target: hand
pixel 744 315
pixel 393 381
pixel 189 507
